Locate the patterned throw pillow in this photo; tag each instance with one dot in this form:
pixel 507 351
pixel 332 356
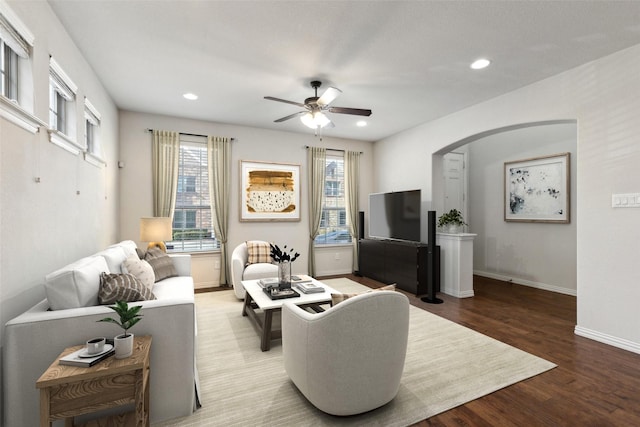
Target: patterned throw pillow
pixel 139 268
pixel 122 287
pixel 161 263
pixel 259 251
pixel 338 298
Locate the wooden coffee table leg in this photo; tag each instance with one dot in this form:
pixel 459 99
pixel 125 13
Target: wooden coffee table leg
pixel 247 304
pixel 265 342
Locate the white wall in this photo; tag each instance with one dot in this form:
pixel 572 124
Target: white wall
pixel 534 254
pixel 603 97
pixel 250 144
pixel 45 225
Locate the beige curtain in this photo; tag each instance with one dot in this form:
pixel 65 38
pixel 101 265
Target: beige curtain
pixel 351 198
pixel 316 164
pixel 165 156
pixel 219 164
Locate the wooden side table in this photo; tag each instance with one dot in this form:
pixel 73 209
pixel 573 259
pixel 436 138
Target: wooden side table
pixel 68 391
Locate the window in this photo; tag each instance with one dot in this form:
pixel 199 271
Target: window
pixel 186 184
pixel 91 126
pixel 16 77
pixel 333 222
pixel 57 110
pixel 9 72
pixel 62 94
pixel 192 219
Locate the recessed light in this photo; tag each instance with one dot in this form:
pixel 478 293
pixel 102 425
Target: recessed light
pixel 361 123
pixel 190 96
pixel 481 63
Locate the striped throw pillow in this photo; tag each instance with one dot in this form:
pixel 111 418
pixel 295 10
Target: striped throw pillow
pixel 338 298
pixel 122 287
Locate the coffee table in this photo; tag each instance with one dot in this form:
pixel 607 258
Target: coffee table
pixel 255 300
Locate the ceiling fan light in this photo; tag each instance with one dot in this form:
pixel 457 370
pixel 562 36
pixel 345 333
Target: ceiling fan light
pixel 315 120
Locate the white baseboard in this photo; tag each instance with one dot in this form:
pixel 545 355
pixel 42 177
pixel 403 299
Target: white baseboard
pixel 524 282
pixel 608 339
pixel 453 293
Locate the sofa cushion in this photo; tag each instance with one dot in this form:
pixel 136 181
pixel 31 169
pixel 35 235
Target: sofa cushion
pixel 259 252
pixel 128 246
pixel 338 298
pixel 114 256
pixel 161 263
pixel 122 287
pixel 75 285
pixel 139 268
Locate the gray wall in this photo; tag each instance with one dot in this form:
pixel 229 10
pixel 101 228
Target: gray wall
pixel 45 225
pixel 535 254
pixel 602 97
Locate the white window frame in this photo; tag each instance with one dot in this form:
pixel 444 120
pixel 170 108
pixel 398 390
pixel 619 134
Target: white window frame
pixel 192 245
pixel 333 212
pixel 62 87
pixel 17 36
pixel 92 119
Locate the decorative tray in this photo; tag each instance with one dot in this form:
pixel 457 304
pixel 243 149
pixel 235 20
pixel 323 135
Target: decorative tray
pixel 277 293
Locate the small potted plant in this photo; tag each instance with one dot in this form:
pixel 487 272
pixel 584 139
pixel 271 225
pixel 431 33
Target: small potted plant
pixel 451 222
pixel 129 316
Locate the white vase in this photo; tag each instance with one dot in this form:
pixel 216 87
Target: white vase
pixel 123 345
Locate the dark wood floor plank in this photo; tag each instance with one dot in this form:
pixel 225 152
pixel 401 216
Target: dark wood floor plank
pixel 593 385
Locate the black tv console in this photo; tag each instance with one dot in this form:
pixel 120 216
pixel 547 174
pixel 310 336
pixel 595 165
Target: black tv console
pixel 402 263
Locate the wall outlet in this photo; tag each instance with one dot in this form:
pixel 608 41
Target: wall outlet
pixel 216 265
pixel 337 256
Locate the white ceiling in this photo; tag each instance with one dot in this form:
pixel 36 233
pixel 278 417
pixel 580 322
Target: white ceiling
pixel 408 61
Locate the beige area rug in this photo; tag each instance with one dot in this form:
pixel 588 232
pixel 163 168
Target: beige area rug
pixel 446 366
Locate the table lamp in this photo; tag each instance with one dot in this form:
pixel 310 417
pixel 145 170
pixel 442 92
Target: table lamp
pixel 156 231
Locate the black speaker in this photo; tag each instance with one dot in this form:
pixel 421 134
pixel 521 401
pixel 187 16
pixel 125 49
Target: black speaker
pixel 360 225
pixel 432 261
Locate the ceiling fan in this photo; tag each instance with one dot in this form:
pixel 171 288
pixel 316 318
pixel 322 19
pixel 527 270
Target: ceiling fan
pixel 315 108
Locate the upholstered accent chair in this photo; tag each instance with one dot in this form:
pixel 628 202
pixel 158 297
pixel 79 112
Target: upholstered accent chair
pixel 249 261
pixel 350 358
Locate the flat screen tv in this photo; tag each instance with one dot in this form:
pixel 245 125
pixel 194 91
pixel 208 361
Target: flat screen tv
pixel 395 215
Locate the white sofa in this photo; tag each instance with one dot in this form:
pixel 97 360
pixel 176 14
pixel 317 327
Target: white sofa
pixel 241 271
pixel 35 338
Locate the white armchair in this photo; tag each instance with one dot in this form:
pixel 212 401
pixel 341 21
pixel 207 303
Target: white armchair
pixel 241 271
pixel 348 359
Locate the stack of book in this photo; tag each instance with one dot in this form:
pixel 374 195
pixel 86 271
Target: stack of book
pixel 269 283
pixel 83 359
pixel 309 288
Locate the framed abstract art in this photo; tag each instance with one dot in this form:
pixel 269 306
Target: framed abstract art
pixel 269 191
pixel 538 189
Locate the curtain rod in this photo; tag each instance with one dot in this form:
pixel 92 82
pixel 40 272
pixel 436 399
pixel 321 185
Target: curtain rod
pixel 191 134
pixel 333 149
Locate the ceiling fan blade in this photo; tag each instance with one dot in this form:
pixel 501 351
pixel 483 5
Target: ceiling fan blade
pixel 354 111
pixel 329 95
pixel 290 116
pixel 271 98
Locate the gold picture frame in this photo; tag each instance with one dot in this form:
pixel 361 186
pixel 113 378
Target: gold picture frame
pixel 269 191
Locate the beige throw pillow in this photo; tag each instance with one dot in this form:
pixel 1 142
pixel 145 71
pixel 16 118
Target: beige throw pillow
pixel 259 252
pixel 122 287
pixel 338 298
pixel 161 263
pixel 141 269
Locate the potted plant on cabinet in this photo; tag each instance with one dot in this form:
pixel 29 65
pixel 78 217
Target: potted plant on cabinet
pixel 451 222
pixel 129 316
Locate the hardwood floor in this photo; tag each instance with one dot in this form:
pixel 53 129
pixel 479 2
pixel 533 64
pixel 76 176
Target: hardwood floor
pixel 593 385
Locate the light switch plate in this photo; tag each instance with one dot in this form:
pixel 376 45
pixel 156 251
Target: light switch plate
pixel 627 200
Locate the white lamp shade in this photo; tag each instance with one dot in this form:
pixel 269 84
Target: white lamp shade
pixel 156 229
pixel 315 120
